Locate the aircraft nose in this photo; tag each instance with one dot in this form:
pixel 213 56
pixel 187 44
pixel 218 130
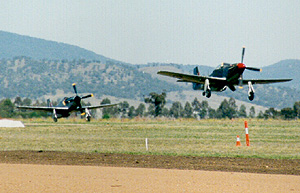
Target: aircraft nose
pixel 241 65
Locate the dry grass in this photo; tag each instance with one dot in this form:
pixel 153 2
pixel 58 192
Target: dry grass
pixel 268 139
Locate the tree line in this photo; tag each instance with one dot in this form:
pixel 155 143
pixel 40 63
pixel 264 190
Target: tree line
pixel 156 108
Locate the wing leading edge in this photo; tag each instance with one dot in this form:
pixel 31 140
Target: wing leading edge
pixel 50 109
pixel 99 106
pixel 265 81
pixel 191 78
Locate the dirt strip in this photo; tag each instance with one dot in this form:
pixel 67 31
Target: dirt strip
pixel 249 165
pixel 61 178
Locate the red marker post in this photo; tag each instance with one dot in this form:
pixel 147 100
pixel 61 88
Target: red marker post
pixel 247 134
pixel 238 142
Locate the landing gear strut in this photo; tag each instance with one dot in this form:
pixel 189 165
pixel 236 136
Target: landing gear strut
pixel 207 91
pixel 54 116
pixel 88 115
pixel 251 91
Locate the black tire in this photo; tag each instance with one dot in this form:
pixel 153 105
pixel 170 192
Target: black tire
pixel 208 93
pixel 251 96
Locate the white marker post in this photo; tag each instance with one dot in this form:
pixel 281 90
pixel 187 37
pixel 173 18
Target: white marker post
pixel 146 142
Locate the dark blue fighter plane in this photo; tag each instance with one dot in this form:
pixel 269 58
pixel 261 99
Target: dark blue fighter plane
pixel 67 106
pixel 224 76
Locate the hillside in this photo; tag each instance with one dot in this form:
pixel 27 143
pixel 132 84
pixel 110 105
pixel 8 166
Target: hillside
pixel 14 45
pixel 26 77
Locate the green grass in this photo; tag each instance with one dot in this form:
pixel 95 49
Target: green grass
pixel 274 139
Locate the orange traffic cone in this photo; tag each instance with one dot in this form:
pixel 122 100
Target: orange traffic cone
pixel 238 142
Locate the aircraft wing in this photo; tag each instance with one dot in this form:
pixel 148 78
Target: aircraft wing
pixel 50 109
pixel 191 78
pixel 265 81
pixel 99 106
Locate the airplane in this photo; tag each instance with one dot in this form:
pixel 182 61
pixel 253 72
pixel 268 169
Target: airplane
pixel 224 76
pixel 67 106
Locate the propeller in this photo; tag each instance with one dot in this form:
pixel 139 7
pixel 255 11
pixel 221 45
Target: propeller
pixel 75 90
pixel 242 65
pixel 87 96
pixel 77 98
pixel 254 69
pixel 243 53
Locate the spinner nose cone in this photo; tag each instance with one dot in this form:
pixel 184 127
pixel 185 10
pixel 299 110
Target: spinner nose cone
pixel 241 66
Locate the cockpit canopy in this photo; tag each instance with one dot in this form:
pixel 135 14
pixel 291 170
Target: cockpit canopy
pixel 223 65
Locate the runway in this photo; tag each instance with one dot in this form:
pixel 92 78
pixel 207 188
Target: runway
pixel 62 178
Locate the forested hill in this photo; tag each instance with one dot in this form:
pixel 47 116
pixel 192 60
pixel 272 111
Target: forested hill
pixel 14 45
pixel 26 77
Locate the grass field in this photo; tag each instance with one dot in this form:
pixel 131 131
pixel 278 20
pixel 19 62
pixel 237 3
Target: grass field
pixel 268 138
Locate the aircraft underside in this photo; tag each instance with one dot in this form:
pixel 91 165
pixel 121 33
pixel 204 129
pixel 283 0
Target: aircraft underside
pixel 207 89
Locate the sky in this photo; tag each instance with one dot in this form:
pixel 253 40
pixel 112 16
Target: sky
pixel 197 32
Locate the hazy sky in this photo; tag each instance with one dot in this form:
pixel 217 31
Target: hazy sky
pixel 185 32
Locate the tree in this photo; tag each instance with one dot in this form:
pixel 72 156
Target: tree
pixel 212 114
pixel 227 109
pixel 242 112
pixel 271 113
pixel 131 112
pixel 176 110
pixel 18 101
pixel 188 110
pixel 27 102
pixel 297 109
pixel 165 112
pixel 6 108
pixel 158 100
pixel 140 110
pixel 200 108
pixel 288 113
pixel 151 110
pixel 124 108
pixel 196 106
pixel 252 112
pixel 203 109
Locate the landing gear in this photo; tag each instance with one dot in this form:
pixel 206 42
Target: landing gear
pixel 251 91
pixel 88 115
pixel 251 96
pixel 207 91
pixel 54 116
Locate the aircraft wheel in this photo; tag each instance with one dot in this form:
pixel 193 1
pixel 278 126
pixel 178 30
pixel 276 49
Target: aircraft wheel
pixel 208 93
pixel 55 119
pixel 203 94
pixel 251 96
pixel 88 118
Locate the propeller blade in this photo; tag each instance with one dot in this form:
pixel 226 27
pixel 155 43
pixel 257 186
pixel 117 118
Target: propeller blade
pixel 254 69
pixel 243 53
pixel 74 86
pixel 87 96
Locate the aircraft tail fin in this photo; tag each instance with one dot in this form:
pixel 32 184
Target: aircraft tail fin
pixel 196 71
pixel 49 103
